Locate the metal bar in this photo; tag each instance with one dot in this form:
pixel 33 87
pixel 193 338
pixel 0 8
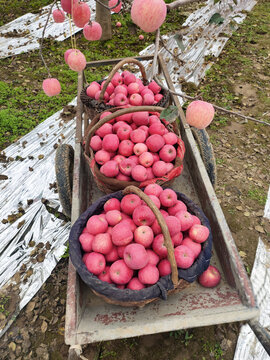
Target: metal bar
pixel 225 246
pixel 98 63
pixel 262 335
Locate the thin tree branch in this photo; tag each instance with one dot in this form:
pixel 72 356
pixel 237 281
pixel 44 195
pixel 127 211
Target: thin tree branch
pixel 107 7
pixel 179 3
pixel 176 57
pixel 42 38
pixel 219 108
pixel 154 65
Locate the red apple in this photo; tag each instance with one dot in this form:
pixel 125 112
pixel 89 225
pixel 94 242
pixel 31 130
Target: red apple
pixel 159 247
pixel 144 235
pixel 210 277
pixel 185 219
pixel 153 189
pixel 112 255
pixel 198 233
pixel 112 204
pixel 164 267
pixel 135 256
pixel 143 215
pixel 167 153
pixel 102 243
pixel 113 217
pixel 135 284
pixel 168 197
pixel 97 224
pixel 153 257
pixel 86 240
pixel 120 273
pixel 195 247
pixel 105 275
pixel 139 173
pixel 148 275
pixel 184 256
pixel 173 224
pixel 179 206
pixel 121 234
pixel 129 203
pixel 95 263
pixel 155 142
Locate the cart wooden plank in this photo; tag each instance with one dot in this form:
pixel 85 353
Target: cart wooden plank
pixel 90 319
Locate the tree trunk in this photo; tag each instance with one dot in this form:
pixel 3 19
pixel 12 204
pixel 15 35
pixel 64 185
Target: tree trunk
pixel 103 17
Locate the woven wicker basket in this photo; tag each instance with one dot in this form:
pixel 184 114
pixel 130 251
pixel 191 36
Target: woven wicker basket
pixel 167 285
pixel 107 184
pixel 93 107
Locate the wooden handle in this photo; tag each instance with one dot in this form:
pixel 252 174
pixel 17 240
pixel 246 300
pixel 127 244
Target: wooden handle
pixel 164 228
pixel 114 115
pixel 117 67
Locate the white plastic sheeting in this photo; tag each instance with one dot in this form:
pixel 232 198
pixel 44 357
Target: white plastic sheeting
pixel 23 34
pixel 248 347
pixel 39 225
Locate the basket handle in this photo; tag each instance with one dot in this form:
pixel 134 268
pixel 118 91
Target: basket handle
pixel 118 66
pixel 114 115
pixel 162 224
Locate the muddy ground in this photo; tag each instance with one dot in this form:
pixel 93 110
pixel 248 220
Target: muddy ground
pixel 238 80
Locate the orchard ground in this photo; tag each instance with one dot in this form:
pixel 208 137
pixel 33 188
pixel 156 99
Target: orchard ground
pixel 238 80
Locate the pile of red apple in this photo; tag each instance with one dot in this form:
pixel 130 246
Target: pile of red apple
pixel 126 89
pixel 124 244
pixel 135 146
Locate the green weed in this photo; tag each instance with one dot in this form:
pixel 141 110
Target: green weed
pixel 258 195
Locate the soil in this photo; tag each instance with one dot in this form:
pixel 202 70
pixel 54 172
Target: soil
pixel 238 80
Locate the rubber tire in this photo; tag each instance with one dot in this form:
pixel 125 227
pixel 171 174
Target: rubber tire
pixel 207 153
pixel 64 162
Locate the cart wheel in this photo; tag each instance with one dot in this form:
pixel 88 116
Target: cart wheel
pixel 207 153
pixel 64 159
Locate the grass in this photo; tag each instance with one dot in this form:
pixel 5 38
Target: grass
pixel 24 105
pixel 258 195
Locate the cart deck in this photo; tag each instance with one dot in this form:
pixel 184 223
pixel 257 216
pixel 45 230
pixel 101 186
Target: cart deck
pixel 89 319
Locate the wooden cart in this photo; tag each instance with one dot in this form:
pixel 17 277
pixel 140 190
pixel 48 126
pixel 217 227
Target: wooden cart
pixel 89 319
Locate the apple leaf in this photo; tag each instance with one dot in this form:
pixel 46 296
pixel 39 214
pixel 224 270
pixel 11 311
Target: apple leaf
pixel 170 114
pixel 216 19
pixel 179 41
pixel 216 1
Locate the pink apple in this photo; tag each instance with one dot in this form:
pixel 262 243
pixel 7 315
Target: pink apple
pixel 177 239
pixel 170 166
pixel 134 158
pixel 185 219
pixel 195 247
pixel 109 89
pixel 167 153
pixel 102 243
pixel 153 189
pixel 157 128
pixel 118 125
pixel 76 61
pixel 155 142
pixel 103 115
pixel 110 168
pixel 121 89
pixel 153 257
pixel 92 31
pixel 210 277
pixel 120 273
pixel 139 173
pixel 110 142
pixel 95 263
pixel 148 275
pixel 123 132
pixel 104 130
pixel 148 99
pixel 136 99
pixel 139 148
pixel 133 88
pixel 96 143
pixel 170 138
pixel 120 99
pixel 112 204
pixel 154 87
pixel 127 118
pixel 173 224
pixel 105 96
pixel 51 87
pixel 105 275
pixel 67 5
pixel 184 256
pixel 123 177
pixel 144 235
pixel 81 14
pixel 113 217
pixel 86 240
pixel 114 8
pixel 58 15
pixel 168 197
pixel 97 224
pixel 117 79
pixel 196 220
pixel 155 200
pixel 146 90
pixel 137 136
pixel 129 78
pixel 92 89
pixel 126 148
pixel 140 118
pixel 135 284
pixel 119 158
pixel 179 206
pixel 118 24
pixel 150 174
pixel 129 203
pixel 141 37
pixel 198 233
pixel 158 97
pixel 146 159
pixel 143 215
pixel 126 166
pixel 84 258
pixel 153 119
pixel 129 222
pixel 159 168
pixel 200 114
pixel 112 255
pixel 159 247
pixel 164 267
pixel 135 256
pixel 121 234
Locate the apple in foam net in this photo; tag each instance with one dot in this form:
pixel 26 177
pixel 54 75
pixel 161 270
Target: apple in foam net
pixel 143 215
pixel 97 224
pixel 195 247
pixel 135 256
pixel 86 240
pixel 102 243
pixel 113 217
pixel 121 234
pixel 167 153
pixel 51 87
pixel 155 142
pixel 153 86
pixel 198 233
pixel 95 263
pixel 148 275
pixel 144 235
pixel 120 273
pixel 139 173
pixel 210 277
pixel 105 275
pixel 92 32
pixel 129 203
pixel 184 256
pixel 159 246
pixel 164 267
pixel 135 284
